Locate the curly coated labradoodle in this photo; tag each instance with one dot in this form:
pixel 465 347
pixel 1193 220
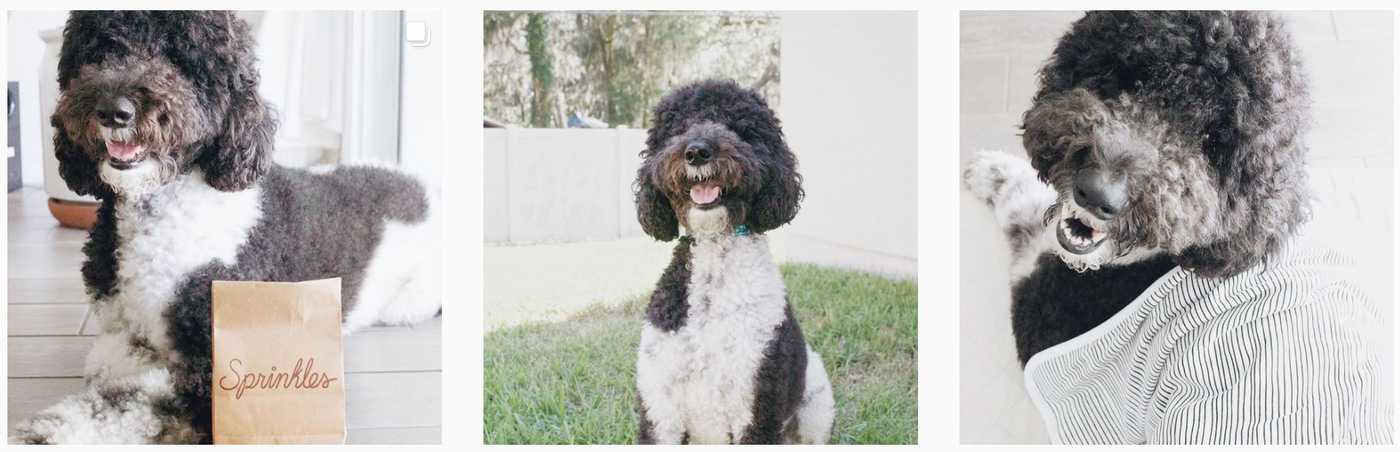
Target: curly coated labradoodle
pixel 722 359
pixel 160 119
pixel 1153 224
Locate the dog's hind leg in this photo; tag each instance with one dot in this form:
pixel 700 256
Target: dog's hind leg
pixel 1018 199
pixel 403 282
pixel 418 299
pixel 817 412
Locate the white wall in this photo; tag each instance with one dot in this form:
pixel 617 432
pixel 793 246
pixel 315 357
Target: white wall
pixel 26 53
pixel 850 114
pixel 560 185
pixel 421 123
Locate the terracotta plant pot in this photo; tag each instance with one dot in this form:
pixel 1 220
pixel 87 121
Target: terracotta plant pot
pixel 73 214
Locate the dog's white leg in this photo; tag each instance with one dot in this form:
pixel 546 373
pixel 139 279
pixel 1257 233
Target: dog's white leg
pixel 403 282
pixel 661 420
pixel 818 411
pixel 127 386
pixel 1018 199
pixel 417 300
pixel 133 409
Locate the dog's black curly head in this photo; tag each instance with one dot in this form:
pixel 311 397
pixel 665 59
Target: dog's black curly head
pixel 147 95
pixel 1172 131
pixel 715 160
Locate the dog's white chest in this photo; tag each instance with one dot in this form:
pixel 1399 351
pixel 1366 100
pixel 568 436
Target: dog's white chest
pixel 707 368
pixel 162 240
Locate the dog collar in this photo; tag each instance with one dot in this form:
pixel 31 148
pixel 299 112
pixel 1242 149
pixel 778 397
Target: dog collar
pixel 739 231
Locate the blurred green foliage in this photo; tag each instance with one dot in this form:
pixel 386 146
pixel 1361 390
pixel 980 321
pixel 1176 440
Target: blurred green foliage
pixel 542 67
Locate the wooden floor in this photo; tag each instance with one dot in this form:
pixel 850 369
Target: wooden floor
pixel 394 374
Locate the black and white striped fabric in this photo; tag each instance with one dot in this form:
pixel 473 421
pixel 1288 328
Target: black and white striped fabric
pixel 1286 353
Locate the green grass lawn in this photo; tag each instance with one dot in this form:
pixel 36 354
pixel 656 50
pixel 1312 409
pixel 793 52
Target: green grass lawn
pixel 571 382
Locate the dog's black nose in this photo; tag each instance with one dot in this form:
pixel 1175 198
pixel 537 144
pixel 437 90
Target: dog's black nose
pixel 697 153
pixel 116 111
pixel 1096 192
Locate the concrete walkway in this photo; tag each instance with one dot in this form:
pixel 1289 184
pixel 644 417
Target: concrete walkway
pixel 551 281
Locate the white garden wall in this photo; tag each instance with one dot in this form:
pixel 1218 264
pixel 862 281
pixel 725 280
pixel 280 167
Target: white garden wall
pixel 560 185
pixel 850 113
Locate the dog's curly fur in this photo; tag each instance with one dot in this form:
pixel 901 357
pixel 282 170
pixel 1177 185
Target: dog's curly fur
pixel 1200 115
pixel 721 357
pixel 200 200
pixel 194 78
pixel 758 173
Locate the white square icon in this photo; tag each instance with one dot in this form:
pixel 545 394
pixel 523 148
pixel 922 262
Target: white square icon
pixel 416 33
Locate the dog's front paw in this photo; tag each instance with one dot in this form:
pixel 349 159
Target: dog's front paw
pixel 70 422
pixel 118 412
pixel 989 174
pixel 42 429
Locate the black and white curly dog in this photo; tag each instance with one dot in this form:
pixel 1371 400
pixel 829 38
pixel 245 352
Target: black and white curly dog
pixel 1167 139
pixel 722 359
pixel 160 119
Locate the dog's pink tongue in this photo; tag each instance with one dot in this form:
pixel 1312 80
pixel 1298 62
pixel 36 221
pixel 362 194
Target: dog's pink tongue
pixel 122 151
pixel 704 194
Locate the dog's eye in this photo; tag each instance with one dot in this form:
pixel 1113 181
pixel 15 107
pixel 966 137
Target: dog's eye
pixel 164 119
pixel 1079 154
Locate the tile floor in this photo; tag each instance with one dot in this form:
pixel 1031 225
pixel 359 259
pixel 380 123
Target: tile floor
pixel 1348 55
pixel 393 374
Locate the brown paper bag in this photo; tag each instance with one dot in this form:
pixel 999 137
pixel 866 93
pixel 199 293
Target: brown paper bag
pixel 279 372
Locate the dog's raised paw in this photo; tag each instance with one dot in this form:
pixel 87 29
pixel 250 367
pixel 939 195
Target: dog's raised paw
pixel 988 172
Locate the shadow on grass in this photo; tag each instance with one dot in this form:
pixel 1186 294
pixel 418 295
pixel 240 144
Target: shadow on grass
pixel 571 382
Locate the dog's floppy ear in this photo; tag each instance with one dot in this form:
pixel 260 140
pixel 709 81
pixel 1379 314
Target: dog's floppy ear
pixel 777 201
pixel 241 150
pixel 1265 171
pixel 654 211
pixel 77 169
pixel 1259 158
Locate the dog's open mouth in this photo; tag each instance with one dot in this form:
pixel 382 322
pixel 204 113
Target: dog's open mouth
pixel 1077 234
pixel 124 154
pixel 705 195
